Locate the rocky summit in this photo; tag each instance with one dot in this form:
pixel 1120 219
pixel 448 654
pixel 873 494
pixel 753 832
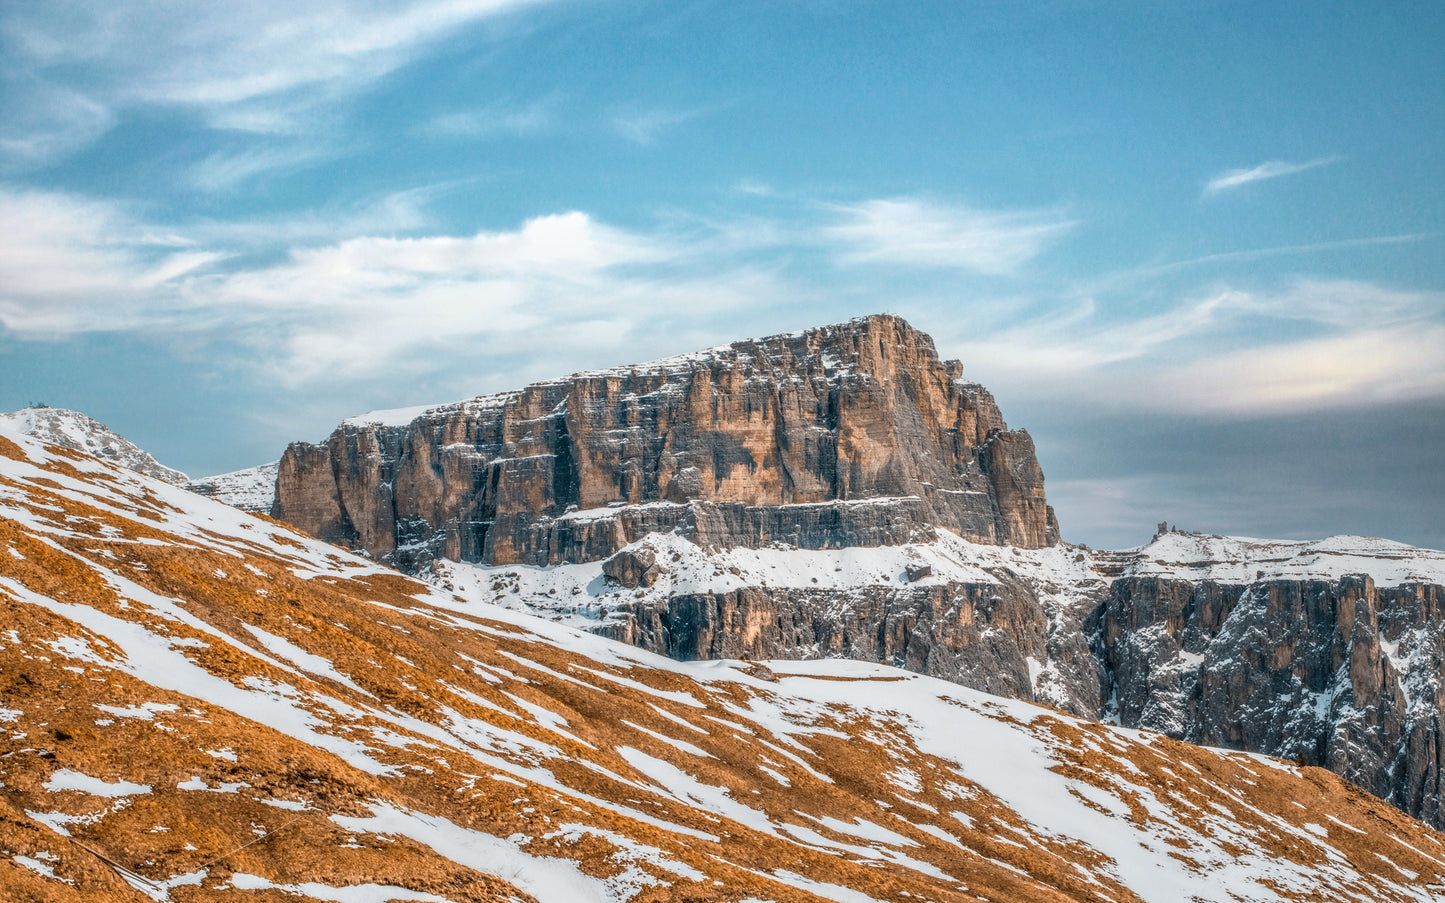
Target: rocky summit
pixel 199 704
pixel 847 435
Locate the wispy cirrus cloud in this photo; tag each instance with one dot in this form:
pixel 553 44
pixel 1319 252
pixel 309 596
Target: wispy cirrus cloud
pixel 1312 344
pixel 644 127
pixel 494 120
pixel 71 264
pixel 44 122
pixel 317 302
pixel 1272 169
pixel 915 232
pixel 226 171
pixel 255 65
pixel 366 307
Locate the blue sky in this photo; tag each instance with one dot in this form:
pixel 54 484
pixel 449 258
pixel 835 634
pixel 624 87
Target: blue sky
pixel 1196 249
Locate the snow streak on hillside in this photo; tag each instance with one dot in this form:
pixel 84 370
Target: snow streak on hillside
pixel 198 702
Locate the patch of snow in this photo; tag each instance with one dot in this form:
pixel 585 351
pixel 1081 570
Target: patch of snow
pixel 393 416
pixel 43 868
pixel 252 489
pixel 549 880
pixel 65 779
pixel 352 893
pixel 146 711
pixel 306 661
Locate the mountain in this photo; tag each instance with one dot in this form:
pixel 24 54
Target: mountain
pixel 841 492
pixel 75 430
pixel 199 702
pixel 847 435
pixel 252 490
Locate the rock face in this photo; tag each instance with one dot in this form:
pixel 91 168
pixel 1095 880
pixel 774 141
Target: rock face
pixel 979 635
pixel 1338 673
pixel 999 619
pixel 854 434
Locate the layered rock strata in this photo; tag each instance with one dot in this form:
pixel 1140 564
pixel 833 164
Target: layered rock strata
pixel 759 441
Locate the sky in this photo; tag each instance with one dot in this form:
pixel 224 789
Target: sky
pixel 1196 249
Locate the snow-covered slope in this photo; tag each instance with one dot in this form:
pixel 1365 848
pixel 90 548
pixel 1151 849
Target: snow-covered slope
pixel 199 703
pixel 1236 559
pixel 73 429
pixel 252 490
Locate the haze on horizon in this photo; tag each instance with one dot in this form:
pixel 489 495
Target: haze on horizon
pixel 1198 251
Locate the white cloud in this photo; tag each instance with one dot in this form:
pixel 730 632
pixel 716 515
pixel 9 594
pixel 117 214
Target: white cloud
pixel 493 121
pixel 43 122
pixel 563 291
pixel 256 65
pixel 563 287
pixel 73 264
pixel 1312 344
pixel 1273 169
pixel 1369 366
pixel 913 232
pixel 228 171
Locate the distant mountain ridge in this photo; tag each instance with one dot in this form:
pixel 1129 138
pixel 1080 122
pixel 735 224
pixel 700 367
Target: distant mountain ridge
pixel 253 489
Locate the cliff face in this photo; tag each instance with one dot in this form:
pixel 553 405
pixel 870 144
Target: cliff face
pixel 1339 673
pixel 838 436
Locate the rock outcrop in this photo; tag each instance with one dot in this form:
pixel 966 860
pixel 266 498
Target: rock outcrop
pixel 1340 673
pixel 854 434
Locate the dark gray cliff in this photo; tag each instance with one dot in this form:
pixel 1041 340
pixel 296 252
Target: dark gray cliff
pixel 767 439
pixel 1339 673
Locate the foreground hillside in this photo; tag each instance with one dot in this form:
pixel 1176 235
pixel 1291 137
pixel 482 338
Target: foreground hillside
pixel 197 702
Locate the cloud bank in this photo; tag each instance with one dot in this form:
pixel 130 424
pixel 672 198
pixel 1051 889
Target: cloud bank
pixel 313 310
